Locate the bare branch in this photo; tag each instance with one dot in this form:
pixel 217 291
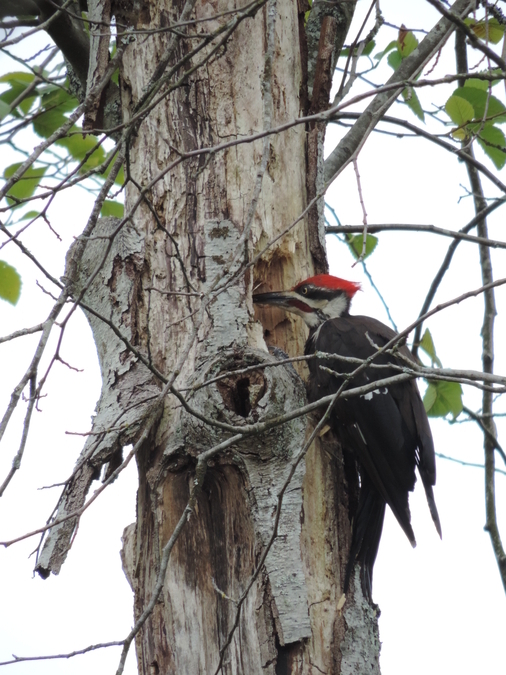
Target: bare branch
pixel 33 367
pixel 410 67
pixel 436 140
pixel 454 17
pixel 16 462
pixel 444 267
pixel 487 330
pixel 479 419
pixel 79 652
pixel 399 227
pixel 23 331
pixel 463 463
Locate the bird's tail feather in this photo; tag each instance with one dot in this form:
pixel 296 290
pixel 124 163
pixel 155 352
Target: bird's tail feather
pixel 366 535
pixel 432 503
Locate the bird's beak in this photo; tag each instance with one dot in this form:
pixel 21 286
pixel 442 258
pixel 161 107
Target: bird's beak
pixel 282 299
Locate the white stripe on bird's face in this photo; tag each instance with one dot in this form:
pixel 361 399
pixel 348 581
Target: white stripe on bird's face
pixel 323 309
pixel 336 307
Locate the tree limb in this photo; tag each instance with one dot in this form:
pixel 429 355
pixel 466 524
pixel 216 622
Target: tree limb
pixel 352 142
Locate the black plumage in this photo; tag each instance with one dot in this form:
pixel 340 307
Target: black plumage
pixel 387 429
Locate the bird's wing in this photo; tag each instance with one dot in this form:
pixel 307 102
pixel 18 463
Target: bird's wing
pixel 427 456
pixel 386 436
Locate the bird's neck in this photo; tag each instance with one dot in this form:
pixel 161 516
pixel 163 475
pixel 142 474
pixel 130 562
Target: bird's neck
pixel 336 308
pixel 314 331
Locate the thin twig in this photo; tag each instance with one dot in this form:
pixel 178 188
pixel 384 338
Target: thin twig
pixel 78 652
pixel 22 332
pixel 364 213
pixel 463 463
pixel 487 333
pixel 400 227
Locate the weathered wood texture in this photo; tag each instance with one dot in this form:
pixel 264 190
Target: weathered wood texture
pixel 164 284
pixel 290 621
pixel 326 30
pixel 202 206
pixel 127 385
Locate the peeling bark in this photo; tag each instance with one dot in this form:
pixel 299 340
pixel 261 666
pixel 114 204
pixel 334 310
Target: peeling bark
pixel 178 285
pixel 99 11
pixel 327 27
pixel 127 385
pixel 204 205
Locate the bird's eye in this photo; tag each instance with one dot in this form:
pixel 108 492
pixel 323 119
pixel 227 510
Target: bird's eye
pixel 304 290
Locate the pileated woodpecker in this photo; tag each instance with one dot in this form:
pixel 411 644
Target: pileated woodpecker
pixel 387 429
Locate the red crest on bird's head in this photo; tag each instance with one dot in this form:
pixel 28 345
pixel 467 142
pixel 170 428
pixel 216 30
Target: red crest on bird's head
pixel 332 283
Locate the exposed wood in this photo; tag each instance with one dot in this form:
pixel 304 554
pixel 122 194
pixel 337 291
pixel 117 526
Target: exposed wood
pixel 176 285
pixel 202 207
pixel 326 29
pixel 99 11
pixel 290 621
pixel 127 385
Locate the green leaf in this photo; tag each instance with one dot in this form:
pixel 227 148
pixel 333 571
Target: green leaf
pixel 460 134
pixel 29 215
pixel 365 52
pixel 10 95
pixel 94 160
pixel 406 43
pixel 120 178
pixel 27 103
pixel 10 283
pixel 76 144
pixel 477 84
pixel 4 109
pixel 110 208
pixel 482 103
pixel 56 97
pixel 496 71
pixel 488 138
pixel 394 60
pixel 413 102
pixel 430 397
pixel 18 77
pixel 7 97
pixel 26 185
pixel 368 48
pixel 86 25
pixel 443 398
pixel 459 110
pixel 427 344
pixel 388 48
pixel 79 146
pixel 356 243
pixel 18 83
pixel 489 30
pixel 48 122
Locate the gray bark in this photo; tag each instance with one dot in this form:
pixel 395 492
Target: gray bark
pixel 177 283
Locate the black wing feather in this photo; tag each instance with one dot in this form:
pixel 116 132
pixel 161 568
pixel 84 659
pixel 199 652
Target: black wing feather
pixel 388 431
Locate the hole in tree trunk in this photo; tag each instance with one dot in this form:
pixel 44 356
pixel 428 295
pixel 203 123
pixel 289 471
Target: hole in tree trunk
pixel 241 394
pixel 289 658
pixel 242 402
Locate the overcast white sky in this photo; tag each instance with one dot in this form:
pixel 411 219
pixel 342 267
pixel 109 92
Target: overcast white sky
pixel 442 604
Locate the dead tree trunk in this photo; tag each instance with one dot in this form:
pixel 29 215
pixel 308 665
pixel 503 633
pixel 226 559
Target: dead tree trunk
pixel 206 228
pixel 214 213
